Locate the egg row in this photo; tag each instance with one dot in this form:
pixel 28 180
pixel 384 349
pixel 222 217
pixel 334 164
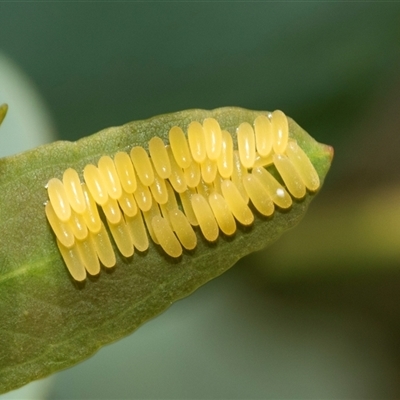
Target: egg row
pixel 132 194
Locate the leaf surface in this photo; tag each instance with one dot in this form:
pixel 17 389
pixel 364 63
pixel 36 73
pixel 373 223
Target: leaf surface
pixel 48 321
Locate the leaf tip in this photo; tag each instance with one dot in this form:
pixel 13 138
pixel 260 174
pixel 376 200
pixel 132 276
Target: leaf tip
pixel 330 151
pixel 3 112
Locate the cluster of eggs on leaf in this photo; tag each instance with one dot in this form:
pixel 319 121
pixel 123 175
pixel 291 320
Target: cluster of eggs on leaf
pixel 198 179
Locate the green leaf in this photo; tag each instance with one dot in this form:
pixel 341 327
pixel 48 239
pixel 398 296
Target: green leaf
pixel 3 112
pixel 48 321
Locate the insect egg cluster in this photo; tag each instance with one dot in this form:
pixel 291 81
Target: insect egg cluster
pixel 199 179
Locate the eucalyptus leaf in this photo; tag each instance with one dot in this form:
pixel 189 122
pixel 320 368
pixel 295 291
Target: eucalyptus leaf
pixel 50 322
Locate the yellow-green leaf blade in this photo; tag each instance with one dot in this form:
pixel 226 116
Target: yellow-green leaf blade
pixel 48 321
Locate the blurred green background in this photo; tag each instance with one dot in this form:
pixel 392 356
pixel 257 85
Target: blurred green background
pixel 317 315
